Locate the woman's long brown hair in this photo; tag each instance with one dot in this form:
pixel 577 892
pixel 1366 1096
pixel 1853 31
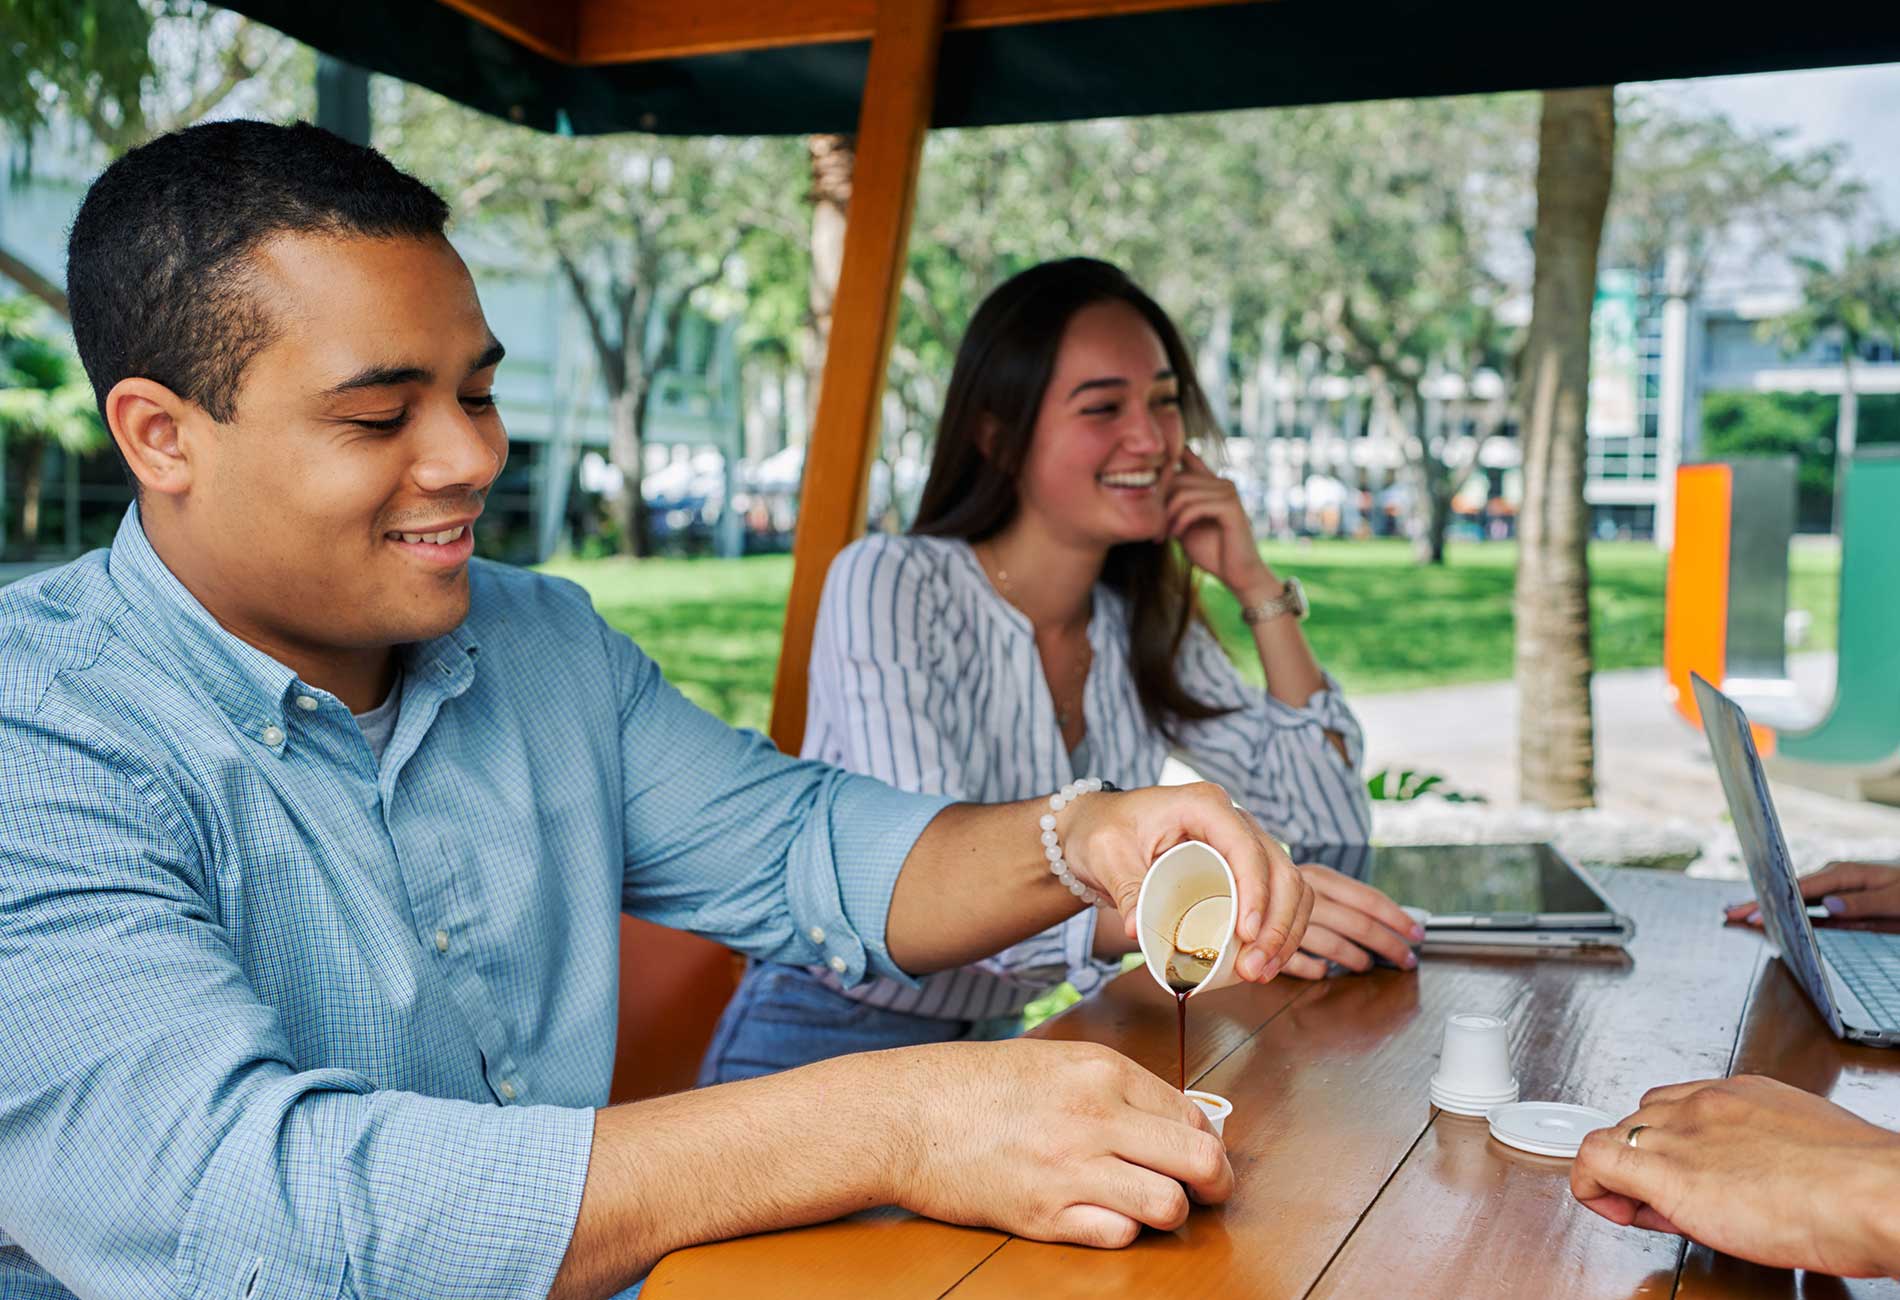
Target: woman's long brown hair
pixel 1003 367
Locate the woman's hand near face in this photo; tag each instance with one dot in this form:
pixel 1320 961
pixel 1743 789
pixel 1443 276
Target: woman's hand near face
pixel 1206 516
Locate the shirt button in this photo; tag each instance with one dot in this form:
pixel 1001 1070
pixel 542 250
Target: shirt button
pixel 507 1090
pixel 817 933
pixel 308 703
pixel 838 964
pixel 272 736
pixel 441 940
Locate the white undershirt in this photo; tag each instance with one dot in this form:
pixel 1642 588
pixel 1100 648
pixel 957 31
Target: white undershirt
pixel 379 724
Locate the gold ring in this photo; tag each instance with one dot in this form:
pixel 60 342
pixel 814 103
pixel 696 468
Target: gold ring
pixel 1629 1138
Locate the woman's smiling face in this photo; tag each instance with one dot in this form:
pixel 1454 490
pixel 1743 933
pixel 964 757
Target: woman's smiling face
pixel 1109 433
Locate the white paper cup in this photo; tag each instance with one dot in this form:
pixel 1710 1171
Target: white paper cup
pixel 1216 1108
pixel 1475 1062
pixel 1188 893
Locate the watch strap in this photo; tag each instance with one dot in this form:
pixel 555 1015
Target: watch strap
pixel 1291 601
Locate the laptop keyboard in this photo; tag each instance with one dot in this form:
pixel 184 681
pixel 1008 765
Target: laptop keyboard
pixel 1868 962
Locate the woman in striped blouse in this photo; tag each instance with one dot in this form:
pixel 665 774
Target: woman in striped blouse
pixel 1039 624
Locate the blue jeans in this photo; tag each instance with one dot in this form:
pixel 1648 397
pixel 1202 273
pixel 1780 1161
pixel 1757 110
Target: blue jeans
pixel 785 1016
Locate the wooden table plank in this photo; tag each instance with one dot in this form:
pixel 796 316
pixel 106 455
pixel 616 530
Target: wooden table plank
pixel 1330 1099
pixel 884 1252
pixel 1138 1017
pixel 1349 1184
pixel 1784 1038
pixel 888 1253
pixel 1470 1217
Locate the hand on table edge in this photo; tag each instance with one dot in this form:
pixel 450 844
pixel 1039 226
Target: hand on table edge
pixel 1053 1141
pixel 1755 1168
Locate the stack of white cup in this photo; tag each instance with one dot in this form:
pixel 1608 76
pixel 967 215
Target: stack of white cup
pixel 1474 1069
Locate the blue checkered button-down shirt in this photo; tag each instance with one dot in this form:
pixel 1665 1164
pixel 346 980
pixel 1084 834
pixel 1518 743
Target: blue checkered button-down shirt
pixel 277 1020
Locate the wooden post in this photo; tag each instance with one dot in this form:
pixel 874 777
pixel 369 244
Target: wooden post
pixel 899 88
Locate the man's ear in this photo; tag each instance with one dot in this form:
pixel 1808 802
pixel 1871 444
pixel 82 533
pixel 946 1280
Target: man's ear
pixel 151 425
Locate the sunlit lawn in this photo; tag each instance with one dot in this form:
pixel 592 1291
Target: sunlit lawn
pixel 1379 622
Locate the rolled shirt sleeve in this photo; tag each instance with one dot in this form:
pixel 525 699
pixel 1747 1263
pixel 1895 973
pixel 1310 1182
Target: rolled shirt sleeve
pixel 780 858
pixel 157 1137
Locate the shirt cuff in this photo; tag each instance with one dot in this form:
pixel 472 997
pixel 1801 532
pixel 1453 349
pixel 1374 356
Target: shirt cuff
pixel 412 1195
pixel 1327 708
pixel 841 896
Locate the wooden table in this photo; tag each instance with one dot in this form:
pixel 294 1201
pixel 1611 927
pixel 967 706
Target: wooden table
pixel 1349 1184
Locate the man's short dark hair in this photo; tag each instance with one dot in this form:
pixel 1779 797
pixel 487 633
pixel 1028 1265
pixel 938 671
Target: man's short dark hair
pixel 158 270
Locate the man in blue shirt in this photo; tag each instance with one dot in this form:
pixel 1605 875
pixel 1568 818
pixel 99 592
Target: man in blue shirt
pixel 314 834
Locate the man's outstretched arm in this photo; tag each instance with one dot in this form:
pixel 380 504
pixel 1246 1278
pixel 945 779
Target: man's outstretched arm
pixel 1052 1141
pixel 977 879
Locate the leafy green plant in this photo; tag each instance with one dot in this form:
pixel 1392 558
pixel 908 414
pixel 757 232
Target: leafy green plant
pixel 1405 784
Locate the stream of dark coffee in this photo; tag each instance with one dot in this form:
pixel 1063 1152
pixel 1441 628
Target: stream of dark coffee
pixel 1185 971
pixel 1180 1016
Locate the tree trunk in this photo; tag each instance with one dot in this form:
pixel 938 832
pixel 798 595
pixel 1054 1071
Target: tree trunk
pixel 1555 746
pixel 833 161
pixel 1427 480
pixel 626 447
pixel 1431 509
pixel 32 474
pixel 21 273
pixel 1215 359
pixel 1431 479
pixel 1846 427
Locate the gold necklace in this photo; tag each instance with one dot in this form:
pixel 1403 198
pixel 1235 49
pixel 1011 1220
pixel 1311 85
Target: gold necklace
pixel 1068 704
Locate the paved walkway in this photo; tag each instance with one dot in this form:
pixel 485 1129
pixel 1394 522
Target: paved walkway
pixel 1658 798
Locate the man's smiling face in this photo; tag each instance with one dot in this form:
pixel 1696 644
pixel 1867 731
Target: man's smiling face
pixel 335 511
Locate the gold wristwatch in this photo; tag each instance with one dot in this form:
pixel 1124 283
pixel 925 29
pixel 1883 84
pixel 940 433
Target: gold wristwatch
pixel 1291 601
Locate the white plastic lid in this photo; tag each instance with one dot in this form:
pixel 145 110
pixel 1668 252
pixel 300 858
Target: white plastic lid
pixel 1546 1128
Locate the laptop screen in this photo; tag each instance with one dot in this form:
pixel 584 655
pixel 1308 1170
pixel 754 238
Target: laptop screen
pixel 1783 912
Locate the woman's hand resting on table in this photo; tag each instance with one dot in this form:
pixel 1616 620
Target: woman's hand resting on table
pixel 1849 890
pixel 1351 923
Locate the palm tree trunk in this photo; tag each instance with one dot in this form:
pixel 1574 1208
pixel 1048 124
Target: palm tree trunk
pixel 1555 742
pixel 833 163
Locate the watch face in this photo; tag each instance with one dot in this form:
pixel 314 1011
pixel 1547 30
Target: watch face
pixel 1298 592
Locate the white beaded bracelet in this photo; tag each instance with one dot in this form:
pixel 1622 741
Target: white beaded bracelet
pixel 1051 849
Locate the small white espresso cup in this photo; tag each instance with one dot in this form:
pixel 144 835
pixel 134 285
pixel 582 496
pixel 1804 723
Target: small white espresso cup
pixel 1214 1106
pixel 1474 1067
pixel 1188 896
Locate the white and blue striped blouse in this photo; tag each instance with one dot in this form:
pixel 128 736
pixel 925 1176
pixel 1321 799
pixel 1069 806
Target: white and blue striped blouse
pixel 923 676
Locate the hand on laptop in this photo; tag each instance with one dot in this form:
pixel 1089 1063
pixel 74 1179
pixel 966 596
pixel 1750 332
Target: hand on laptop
pixel 1351 924
pixel 1752 1167
pixel 1849 890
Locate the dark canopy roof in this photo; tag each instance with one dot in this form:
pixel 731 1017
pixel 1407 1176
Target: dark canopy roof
pixel 1223 56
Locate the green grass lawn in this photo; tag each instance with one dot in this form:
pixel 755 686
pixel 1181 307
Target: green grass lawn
pixel 1380 623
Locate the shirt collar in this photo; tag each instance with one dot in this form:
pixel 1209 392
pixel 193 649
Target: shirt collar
pixel 251 688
